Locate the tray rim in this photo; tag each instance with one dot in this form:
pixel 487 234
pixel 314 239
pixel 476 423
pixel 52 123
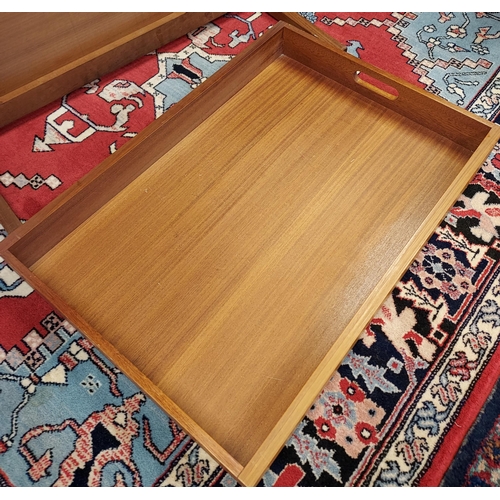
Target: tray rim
pixel 251 473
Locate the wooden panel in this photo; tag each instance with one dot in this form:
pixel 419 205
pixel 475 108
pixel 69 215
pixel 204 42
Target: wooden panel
pixel 32 41
pixel 295 19
pixel 47 55
pixel 230 272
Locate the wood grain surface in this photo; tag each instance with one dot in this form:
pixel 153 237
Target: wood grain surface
pixel 36 43
pixel 227 270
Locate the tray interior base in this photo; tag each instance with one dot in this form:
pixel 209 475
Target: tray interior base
pixel 228 269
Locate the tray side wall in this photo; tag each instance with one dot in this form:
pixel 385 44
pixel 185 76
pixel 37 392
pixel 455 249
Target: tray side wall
pixel 432 112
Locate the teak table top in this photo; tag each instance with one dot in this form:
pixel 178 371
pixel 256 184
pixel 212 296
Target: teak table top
pixel 228 269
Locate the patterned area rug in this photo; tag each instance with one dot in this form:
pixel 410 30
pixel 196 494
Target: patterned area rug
pixel 403 400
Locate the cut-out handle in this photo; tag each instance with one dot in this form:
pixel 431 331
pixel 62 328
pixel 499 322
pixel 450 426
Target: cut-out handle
pixel 371 83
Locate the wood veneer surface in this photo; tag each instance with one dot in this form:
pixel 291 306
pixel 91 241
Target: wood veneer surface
pixel 51 39
pixel 227 270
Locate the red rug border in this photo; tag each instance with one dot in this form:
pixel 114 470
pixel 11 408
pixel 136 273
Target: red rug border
pixel 464 421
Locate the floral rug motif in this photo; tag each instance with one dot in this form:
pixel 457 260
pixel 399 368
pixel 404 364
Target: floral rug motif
pixel 402 401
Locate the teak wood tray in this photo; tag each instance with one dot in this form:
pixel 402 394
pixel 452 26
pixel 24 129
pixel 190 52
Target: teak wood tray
pixel 228 257
pixel 48 54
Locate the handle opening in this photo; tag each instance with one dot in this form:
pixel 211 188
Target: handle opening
pixel 371 83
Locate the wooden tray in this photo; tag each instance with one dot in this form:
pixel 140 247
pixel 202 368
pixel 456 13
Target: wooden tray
pixel 227 258
pixel 46 55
